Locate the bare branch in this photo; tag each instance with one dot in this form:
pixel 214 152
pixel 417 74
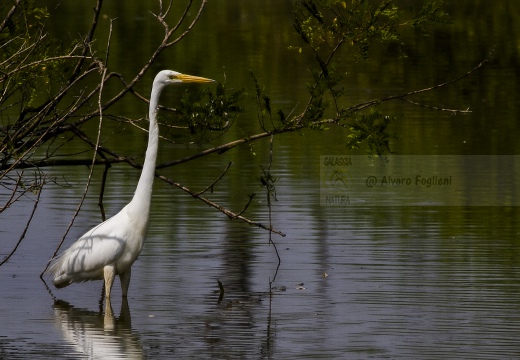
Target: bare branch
pixel 453 111
pixel 43 61
pixel 12 198
pixel 9 15
pixel 246 206
pixel 87 185
pixel 210 186
pixel 415 92
pixel 228 213
pixel 87 41
pixel 22 236
pixel 181 20
pixel 269 193
pixel 225 147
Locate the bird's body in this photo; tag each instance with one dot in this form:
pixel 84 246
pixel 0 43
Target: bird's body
pixel 109 243
pixel 110 248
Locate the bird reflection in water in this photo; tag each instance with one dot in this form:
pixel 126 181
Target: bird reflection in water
pixel 98 335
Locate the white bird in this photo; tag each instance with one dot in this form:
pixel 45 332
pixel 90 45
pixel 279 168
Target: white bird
pixel 110 248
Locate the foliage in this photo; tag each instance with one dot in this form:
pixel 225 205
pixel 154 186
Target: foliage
pixel 370 128
pixel 327 24
pixel 49 90
pixel 326 27
pixel 38 74
pixel 25 78
pixel 207 114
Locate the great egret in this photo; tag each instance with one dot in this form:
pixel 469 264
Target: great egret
pixel 110 248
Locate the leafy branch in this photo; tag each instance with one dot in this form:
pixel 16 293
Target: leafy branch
pixel 49 92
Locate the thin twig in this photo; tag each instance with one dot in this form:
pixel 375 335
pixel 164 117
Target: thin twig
pixel 415 92
pixel 210 186
pixel 454 111
pixel 228 213
pixel 87 41
pixel 13 193
pixel 43 61
pixel 244 209
pixel 89 179
pixel 107 166
pixel 129 86
pixel 9 15
pixel 225 147
pixel 190 26
pixel 102 192
pixel 22 236
pixel 119 159
pixel 269 195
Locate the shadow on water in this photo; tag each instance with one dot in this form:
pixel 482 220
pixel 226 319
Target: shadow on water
pixel 98 335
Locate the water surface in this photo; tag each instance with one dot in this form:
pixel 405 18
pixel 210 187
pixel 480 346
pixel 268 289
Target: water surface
pixel 396 282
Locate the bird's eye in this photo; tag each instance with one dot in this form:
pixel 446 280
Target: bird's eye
pixel 172 77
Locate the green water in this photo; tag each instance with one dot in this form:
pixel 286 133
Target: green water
pixel 401 282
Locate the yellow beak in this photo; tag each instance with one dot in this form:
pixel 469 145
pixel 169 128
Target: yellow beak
pixel 193 79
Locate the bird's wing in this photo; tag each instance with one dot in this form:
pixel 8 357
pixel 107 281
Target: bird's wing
pixel 100 246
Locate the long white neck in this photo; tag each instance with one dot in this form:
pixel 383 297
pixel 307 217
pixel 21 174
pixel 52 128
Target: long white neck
pixel 139 207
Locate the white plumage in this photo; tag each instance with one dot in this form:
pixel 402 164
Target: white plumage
pixel 110 248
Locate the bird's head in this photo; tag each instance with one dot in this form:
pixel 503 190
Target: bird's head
pixel 168 77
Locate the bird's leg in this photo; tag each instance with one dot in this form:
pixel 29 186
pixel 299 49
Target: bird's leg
pixel 110 274
pixel 109 322
pixel 125 281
